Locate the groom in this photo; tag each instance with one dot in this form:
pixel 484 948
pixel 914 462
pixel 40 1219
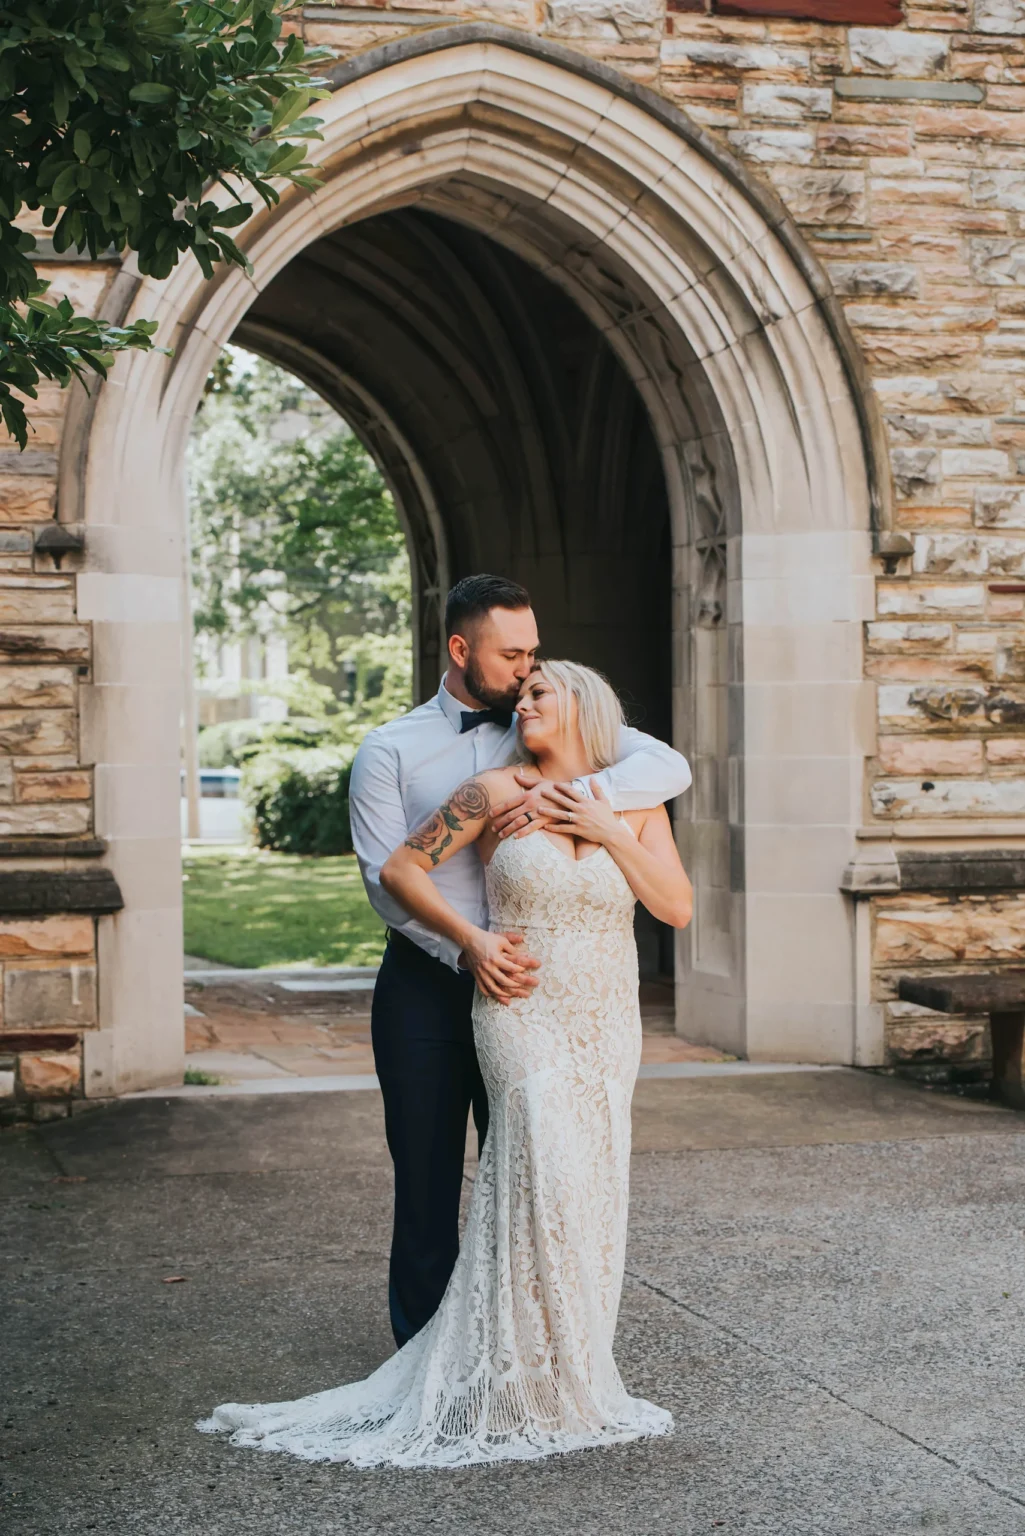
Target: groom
pixel 421 1026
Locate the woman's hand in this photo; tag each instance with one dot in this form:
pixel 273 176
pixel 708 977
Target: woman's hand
pixel 592 820
pixel 500 965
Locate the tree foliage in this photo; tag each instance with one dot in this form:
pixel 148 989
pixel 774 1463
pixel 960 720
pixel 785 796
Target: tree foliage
pixel 116 119
pixel 293 528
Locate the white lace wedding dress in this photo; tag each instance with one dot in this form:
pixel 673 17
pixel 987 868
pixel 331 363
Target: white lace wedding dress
pixel 517 1362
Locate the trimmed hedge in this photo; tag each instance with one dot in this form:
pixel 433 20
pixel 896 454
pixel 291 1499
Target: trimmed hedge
pixel 299 798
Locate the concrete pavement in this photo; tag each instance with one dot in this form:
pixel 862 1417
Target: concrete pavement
pixel 826 1284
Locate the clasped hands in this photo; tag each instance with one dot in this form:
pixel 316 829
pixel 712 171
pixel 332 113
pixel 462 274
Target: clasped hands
pixel 500 965
pixel 559 807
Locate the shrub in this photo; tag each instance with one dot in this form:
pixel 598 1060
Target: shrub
pixel 234 742
pixel 299 798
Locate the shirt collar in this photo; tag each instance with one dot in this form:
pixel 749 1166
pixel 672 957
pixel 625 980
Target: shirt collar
pixel 451 708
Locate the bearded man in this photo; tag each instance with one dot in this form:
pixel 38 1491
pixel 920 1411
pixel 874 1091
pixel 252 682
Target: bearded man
pixel 421 1024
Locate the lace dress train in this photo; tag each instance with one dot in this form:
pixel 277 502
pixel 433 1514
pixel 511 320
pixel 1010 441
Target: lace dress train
pixel 517 1362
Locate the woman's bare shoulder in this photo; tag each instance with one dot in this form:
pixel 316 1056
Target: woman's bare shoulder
pixel 500 783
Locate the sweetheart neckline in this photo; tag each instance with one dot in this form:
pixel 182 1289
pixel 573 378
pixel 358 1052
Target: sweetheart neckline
pixel 563 856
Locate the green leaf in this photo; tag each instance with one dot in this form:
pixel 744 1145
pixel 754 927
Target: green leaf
pixel 290 105
pixel 230 218
pixel 83 144
pixel 151 92
pixel 65 184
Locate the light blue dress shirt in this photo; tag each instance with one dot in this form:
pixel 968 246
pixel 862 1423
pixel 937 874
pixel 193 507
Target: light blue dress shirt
pixel 404 770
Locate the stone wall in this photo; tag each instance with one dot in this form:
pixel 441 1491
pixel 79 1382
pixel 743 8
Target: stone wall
pixel 900 154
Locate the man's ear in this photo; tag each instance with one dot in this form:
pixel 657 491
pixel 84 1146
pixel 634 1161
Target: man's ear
pixel 459 651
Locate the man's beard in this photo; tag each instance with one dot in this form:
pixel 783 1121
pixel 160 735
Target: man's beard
pixel 491 698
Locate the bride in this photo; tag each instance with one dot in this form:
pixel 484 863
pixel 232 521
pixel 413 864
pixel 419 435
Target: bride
pixel 517 1362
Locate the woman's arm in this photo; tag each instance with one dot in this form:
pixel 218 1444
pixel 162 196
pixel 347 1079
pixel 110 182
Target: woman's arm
pixel 497 961
pixel 649 860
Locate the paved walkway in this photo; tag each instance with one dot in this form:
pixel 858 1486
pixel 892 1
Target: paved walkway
pixel 825 1284
pixel 246 1026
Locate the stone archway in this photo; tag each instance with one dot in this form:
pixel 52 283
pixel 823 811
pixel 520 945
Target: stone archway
pixel 700 288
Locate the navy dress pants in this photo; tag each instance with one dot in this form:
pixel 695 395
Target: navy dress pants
pixel 427 1066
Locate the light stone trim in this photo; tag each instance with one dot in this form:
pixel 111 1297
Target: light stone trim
pixel 864 88
pixel 723 334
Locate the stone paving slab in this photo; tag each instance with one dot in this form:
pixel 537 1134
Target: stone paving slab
pixel 241 1026
pixel 825 1284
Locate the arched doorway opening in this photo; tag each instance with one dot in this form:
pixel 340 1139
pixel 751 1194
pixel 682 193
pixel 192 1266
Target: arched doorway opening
pixel 451 147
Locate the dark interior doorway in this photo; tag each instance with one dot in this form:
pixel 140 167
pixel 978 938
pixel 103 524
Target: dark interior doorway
pixel 510 433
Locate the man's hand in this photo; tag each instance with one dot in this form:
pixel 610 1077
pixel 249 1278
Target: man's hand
pixel 525 813
pixel 500 966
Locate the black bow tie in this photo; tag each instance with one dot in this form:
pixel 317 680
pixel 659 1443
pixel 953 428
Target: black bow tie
pixel 474 717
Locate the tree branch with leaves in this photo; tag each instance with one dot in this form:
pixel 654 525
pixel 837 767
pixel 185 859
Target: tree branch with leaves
pixel 117 118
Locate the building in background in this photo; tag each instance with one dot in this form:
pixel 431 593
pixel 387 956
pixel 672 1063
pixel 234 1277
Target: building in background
pixel 706 322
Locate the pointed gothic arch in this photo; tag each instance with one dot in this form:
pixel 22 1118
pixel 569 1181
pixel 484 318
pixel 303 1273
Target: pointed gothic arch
pixel 701 287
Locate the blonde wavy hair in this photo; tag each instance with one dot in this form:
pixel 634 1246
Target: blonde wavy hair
pixel 599 712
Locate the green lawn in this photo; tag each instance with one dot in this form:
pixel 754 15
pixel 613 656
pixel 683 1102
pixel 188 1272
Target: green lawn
pixel 250 908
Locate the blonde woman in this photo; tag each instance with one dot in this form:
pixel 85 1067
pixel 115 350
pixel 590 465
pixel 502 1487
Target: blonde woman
pixel 517 1362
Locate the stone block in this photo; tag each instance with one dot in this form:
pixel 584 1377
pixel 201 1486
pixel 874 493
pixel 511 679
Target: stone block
pixel 792 102
pixel 889 350
pixel 999 506
pixel 1009 662
pixel 907 799
pixel 921 931
pixel 35 600
pixel 27 498
pixel 37 938
pixel 1006 752
pixel 966 392
pixel 64 784
pixel 822 197
pixel 606 20
pixel 930 669
pixel 6 781
pixel 953 554
pixel 774 146
pixel 966 431
pixel 882 51
pixel 6 1085
pixel 998 189
pixel 970 125
pixel 909 639
pixel 49 1074
pixel 973 463
pixel 1006 17
pixel 911 600
pixel 939 1039
pixel 903 705
pixel 998 261
pixel 66 642
pixel 31 731
pixel 697 53
pixel 45 820
pixel 864 139
pixel 36 687
pixel 909 755
pixel 858 278
pixel 15 541
pixel 915 469
pixel 50 997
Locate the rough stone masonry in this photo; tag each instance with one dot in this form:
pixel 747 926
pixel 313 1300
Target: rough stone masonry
pixel 897 142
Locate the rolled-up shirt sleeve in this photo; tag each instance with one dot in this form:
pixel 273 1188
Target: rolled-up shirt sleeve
pixel 648 773
pixel 378 827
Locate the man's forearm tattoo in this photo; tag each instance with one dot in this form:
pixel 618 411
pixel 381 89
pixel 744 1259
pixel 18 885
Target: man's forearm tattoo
pixel 470 802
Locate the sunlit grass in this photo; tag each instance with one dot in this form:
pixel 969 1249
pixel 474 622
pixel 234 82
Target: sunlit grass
pixel 249 908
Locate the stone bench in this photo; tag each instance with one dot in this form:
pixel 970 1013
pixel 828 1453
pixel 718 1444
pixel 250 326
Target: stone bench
pixel 1002 996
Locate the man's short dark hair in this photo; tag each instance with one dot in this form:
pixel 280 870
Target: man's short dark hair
pixel 473 598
